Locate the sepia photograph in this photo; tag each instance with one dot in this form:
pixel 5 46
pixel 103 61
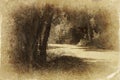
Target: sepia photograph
pixel 59 40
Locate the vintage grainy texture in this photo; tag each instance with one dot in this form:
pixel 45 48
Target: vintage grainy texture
pixel 59 40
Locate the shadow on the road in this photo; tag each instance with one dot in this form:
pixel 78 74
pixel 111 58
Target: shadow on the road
pixel 74 64
pixel 67 63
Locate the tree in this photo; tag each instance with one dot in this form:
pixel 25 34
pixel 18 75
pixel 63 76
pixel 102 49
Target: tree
pixel 49 16
pixel 33 25
pixel 49 11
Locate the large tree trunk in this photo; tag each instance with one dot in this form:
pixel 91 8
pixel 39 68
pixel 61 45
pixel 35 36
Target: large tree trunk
pixel 45 40
pixel 37 39
pixel 42 35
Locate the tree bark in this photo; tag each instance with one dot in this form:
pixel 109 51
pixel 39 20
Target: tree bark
pixel 45 39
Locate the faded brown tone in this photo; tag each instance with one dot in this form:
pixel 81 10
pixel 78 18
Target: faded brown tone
pixel 64 61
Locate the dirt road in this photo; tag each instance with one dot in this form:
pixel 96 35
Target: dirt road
pixel 92 56
pixel 84 52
